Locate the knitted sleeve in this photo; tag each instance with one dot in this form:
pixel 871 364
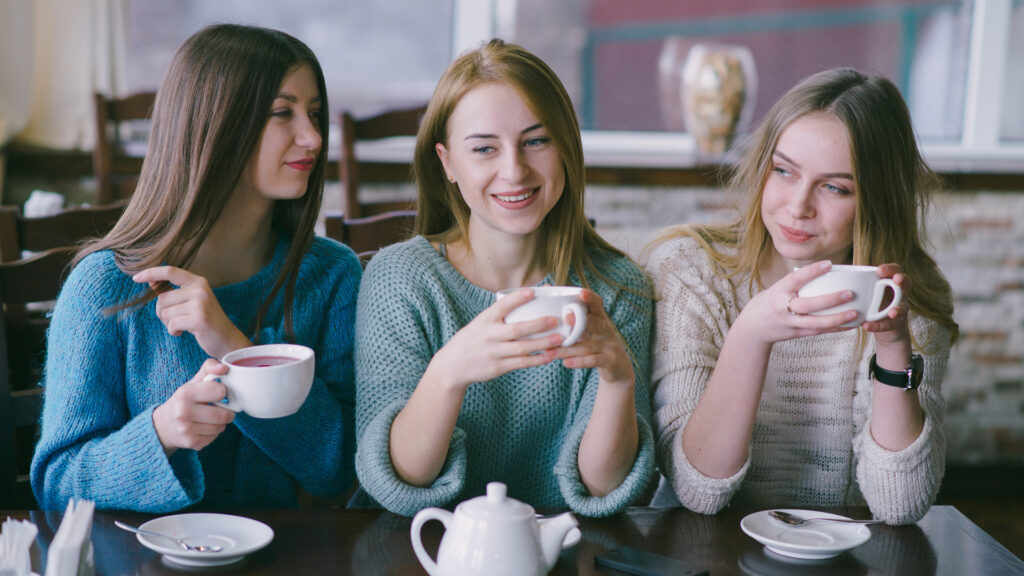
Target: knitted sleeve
pixel 692 318
pixel 899 487
pixel 316 445
pixel 90 446
pixel 395 319
pixel 629 308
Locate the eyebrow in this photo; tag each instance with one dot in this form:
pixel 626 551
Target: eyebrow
pixel 845 175
pixel 292 98
pixel 524 131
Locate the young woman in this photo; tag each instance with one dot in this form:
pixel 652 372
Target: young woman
pixel 215 252
pixel 758 401
pixel 449 397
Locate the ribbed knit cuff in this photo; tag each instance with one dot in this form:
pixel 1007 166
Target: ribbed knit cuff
pixel 696 491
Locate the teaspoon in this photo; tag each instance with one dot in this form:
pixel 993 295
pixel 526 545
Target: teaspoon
pixel 182 543
pixel 791 520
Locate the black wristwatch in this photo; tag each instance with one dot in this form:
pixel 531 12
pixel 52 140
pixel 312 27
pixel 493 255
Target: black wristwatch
pixel 908 379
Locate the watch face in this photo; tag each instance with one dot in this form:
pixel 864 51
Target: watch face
pixel 916 369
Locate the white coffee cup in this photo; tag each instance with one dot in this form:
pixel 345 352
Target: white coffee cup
pixel 557 301
pixel 268 381
pixel 868 291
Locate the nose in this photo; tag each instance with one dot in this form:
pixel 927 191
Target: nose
pixel 308 136
pixel 514 166
pixel 801 202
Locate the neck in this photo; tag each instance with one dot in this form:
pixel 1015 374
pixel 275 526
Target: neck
pixel 239 244
pixel 496 261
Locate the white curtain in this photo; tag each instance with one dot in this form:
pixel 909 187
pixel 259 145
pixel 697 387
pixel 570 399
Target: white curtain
pixel 55 55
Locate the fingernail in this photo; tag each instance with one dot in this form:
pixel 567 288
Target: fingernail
pixel 826 264
pixel 848 295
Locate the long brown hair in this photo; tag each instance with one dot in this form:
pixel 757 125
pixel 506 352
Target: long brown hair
pixel 444 215
pixel 893 186
pixel 208 118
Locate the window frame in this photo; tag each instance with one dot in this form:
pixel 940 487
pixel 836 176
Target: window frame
pixel 978 149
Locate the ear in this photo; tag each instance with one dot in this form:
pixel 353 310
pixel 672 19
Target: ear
pixel 442 154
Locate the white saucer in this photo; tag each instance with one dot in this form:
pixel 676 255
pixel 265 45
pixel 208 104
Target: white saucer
pixel 238 535
pixel 810 542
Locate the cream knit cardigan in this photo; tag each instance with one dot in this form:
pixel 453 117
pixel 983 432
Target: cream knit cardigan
pixel 811 445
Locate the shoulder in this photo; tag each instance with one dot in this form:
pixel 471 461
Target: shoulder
pixel 679 254
pixel 619 271
pixel 413 258
pixel 330 253
pixel 98 270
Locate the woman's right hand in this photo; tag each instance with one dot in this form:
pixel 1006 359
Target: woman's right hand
pixel 778 313
pixel 487 347
pixel 191 418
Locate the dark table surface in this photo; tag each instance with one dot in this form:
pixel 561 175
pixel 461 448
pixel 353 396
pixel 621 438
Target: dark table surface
pixel 369 542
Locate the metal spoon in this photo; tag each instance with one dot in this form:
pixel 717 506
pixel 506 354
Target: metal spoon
pixel 791 520
pixel 182 543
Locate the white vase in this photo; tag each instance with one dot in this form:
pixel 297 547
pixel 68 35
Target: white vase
pixel 719 87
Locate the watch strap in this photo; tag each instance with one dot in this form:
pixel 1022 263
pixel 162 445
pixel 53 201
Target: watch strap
pixel 907 379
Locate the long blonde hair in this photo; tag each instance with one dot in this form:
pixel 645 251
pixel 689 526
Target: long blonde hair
pixel 208 118
pixel 893 187
pixel 444 215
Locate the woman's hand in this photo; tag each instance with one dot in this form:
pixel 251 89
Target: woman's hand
pixel 190 418
pixel 894 329
pixel 487 347
pixel 600 346
pixel 192 307
pixel 778 313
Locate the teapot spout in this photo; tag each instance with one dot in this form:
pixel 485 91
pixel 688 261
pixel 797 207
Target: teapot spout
pixel 552 534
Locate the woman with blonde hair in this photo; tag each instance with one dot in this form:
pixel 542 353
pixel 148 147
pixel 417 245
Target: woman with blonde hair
pixel 761 398
pixel 215 252
pixel 449 396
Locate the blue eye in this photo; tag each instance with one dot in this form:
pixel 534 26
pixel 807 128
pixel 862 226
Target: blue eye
pixel 537 141
pixel 483 149
pixel 780 171
pixel 837 189
pixel 285 113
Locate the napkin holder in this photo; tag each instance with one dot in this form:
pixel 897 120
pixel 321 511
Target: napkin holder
pixel 15 544
pixel 71 552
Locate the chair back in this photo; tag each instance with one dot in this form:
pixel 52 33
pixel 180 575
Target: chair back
pixel 65 228
pixel 22 345
pixel 112 180
pixel 365 236
pixel 404 122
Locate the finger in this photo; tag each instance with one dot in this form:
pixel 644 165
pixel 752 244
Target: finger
pixel 508 303
pixel 817 322
pixel 587 361
pixel 519 362
pixel 519 330
pixel 804 305
pixel 172 274
pixel 528 346
pixel 213 414
pixel 889 269
pixel 795 280
pixel 594 302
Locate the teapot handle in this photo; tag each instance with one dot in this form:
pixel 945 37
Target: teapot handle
pixel 421 518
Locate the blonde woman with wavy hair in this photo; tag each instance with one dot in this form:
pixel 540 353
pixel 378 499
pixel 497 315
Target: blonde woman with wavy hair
pixel 761 399
pixel 448 394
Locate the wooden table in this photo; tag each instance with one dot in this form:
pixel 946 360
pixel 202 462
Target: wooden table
pixel 370 542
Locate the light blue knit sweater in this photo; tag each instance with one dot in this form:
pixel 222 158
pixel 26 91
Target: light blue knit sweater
pixel 105 374
pixel 523 428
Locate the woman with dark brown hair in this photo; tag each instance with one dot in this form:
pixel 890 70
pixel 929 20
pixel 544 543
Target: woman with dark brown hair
pixel 215 252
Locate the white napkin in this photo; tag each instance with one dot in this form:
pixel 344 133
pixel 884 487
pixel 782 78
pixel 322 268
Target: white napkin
pixel 42 203
pixel 15 542
pixel 71 550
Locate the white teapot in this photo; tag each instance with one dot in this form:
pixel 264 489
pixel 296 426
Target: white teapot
pixel 492 535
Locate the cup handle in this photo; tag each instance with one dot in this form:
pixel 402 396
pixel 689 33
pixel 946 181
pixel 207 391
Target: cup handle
pixel 876 300
pixel 579 316
pixel 421 518
pixel 232 402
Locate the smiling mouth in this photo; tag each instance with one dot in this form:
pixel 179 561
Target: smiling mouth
pixel 301 164
pixel 794 235
pixel 517 200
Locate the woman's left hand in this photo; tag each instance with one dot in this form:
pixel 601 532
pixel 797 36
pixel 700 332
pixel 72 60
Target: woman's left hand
pixel 894 329
pixel 600 346
pixel 192 307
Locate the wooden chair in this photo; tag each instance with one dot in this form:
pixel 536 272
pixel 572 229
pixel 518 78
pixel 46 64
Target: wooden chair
pixel 65 228
pixel 22 344
pixel 391 123
pixel 111 183
pixel 365 236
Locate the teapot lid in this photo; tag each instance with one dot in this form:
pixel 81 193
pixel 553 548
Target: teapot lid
pixel 497 504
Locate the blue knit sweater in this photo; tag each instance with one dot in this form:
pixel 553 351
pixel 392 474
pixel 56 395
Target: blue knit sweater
pixel 106 373
pixel 523 428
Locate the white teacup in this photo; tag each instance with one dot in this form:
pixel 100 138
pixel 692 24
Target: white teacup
pixel 268 381
pixel 557 301
pixel 868 291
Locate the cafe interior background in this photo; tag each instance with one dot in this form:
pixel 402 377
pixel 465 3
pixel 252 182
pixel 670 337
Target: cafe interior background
pixel 959 64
